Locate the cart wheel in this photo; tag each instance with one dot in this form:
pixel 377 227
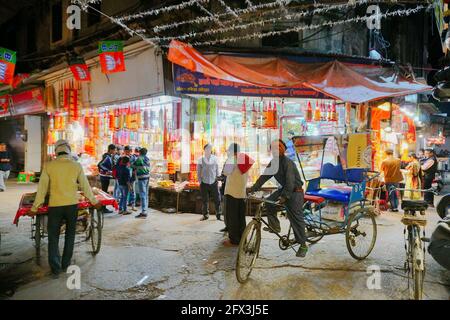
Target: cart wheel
pixel 95 230
pixel 313 235
pixel 360 233
pixel 248 250
pixel 37 238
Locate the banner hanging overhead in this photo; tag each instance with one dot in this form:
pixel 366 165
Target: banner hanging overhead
pixel 188 82
pixel 348 82
pixel 111 56
pixel 79 69
pixel 7 65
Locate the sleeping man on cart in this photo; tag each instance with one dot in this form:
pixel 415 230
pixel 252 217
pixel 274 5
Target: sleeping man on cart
pixel 61 179
pixel 290 194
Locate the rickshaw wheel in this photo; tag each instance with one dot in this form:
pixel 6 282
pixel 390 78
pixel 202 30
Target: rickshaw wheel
pixel 95 230
pixel 316 237
pixel 248 250
pixel 37 238
pixel 360 233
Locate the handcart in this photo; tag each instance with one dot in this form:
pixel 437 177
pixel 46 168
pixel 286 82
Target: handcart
pixel 89 221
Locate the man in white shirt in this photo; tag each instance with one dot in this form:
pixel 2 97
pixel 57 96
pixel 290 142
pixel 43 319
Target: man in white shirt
pixel 207 173
pixel 235 194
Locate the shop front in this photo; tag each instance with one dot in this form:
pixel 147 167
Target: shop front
pixel 254 100
pixel 126 109
pixel 394 126
pixel 22 113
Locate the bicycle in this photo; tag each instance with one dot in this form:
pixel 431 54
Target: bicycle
pixel 414 265
pixel 359 227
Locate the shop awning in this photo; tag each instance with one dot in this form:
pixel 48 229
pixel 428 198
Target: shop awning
pixel 354 83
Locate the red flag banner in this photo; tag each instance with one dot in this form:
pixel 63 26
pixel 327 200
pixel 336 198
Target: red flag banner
pixel 111 56
pixel 80 72
pixel 79 69
pixel 7 65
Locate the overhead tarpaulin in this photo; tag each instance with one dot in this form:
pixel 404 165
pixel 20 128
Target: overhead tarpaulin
pixel 354 83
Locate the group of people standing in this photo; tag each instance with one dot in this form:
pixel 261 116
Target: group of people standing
pixel 420 173
pixel 234 177
pixel 130 170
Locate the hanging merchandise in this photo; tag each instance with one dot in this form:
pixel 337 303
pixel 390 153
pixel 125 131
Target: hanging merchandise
pixel 254 116
pixel 244 114
pixel 49 98
pixel 275 116
pixel 146 119
pixel 309 112
pixel 111 56
pixel 328 109
pixel 165 146
pixel 4 102
pixel 317 115
pixel 7 65
pixel 334 116
pixel 79 69
pixel 260 118
pixel 71 103
pixel 111 120
pixel 265 116
pixel 323 112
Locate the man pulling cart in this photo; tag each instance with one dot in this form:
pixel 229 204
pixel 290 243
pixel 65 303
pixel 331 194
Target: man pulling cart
pixel 61 179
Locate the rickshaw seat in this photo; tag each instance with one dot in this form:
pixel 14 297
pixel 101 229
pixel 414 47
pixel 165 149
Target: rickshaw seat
pixel 338 195
pixel 314 199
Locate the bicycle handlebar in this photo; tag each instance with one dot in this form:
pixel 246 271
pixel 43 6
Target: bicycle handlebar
pixel 431 190
pixel 250 197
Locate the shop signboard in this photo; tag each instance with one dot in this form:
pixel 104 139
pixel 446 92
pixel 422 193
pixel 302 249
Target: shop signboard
pixel 189 82
pixel 28 102
pixel 359 151
pixel 439 140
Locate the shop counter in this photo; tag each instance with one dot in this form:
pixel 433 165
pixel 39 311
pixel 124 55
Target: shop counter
pixel 187 199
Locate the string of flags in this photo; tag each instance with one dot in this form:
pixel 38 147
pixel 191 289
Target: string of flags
pixel 111 58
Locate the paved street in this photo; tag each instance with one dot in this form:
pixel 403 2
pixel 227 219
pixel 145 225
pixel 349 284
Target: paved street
pixel 172 256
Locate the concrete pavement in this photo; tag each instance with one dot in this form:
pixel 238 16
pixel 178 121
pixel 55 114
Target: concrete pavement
pixel 170 256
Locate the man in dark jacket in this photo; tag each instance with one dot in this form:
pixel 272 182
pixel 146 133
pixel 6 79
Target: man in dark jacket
pixel 429 169
pixel 124 181
pixel 290 194
pixel 105 167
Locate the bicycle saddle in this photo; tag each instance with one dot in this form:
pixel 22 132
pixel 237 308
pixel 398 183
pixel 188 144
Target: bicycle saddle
pixel 415 205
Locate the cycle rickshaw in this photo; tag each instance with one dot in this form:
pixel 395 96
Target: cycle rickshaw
pixel 334 184
pixel 89 220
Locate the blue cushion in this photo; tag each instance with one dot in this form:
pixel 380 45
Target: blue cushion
pixel 355 174
pixel 339 195
pixel 332 172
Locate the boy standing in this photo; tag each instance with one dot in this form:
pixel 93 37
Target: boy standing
pixel 142 168
pixel 124 181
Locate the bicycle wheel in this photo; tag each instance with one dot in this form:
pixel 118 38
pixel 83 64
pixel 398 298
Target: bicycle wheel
pixel 360 233
pixel 313 235
pixel 96 230
pixel 37 238
pixel 248 250
pixel 417 263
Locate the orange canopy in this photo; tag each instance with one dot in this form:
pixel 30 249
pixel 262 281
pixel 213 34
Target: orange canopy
pixel 354 83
